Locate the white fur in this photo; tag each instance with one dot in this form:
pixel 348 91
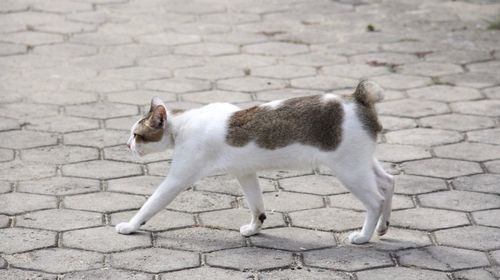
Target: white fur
pixel 329 97
pixel 273 104
pixel 198 138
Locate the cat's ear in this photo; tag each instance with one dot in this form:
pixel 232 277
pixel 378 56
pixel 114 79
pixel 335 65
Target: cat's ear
pixel 158 113
pixel 155 102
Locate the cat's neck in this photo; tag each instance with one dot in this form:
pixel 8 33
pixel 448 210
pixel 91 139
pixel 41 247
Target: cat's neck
pixel 174 122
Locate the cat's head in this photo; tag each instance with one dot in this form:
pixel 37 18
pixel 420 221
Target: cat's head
pixel 148 135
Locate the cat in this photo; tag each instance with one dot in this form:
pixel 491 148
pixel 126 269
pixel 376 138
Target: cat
pixel 338 132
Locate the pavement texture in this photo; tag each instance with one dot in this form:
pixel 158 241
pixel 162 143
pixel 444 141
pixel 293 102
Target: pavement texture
pixel 74 76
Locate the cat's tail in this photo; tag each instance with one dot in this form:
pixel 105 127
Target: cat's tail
pixel 368 92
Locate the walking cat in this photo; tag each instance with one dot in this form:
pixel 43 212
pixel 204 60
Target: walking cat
pixel 338 132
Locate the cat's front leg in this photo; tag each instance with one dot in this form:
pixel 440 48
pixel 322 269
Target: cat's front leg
pixel 163 195
pixel 253 195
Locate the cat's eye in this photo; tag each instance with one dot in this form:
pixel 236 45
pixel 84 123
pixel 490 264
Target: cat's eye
pixel 138 136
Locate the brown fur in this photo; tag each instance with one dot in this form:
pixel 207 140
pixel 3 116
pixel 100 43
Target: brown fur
pixel 367 115
pixel 150 128
pixel 177 111
pixel 306 120
pixel 365 109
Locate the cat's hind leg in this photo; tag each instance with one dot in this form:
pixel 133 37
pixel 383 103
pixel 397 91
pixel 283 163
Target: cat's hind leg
pixel 385 184
pixel 360 180
pixel 253 195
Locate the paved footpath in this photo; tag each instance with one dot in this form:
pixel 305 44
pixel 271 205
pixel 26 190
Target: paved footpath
pixel 74 75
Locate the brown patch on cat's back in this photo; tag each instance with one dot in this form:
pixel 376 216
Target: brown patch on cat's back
pixel 311 120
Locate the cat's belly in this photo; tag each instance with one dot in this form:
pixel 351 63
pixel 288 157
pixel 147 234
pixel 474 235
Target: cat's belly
pixel 251 158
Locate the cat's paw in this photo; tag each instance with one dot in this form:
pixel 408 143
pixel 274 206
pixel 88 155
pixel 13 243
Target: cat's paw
pixel 382 228
pixel 358 238
pixel 125 228
pixel 249 230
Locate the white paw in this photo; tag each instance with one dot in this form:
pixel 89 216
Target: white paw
pixel 382 228
pixel 125 228
pixel 358 238
pixel 249 230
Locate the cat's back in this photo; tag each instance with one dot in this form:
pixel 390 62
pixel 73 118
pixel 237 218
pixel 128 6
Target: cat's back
pixel 211 112
pixel 206 122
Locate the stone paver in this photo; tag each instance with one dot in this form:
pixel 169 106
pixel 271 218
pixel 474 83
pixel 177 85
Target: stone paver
pixel 348 201
pixel 399 272
pixel 428 219
pixel 205 201
pixel 289 202
pixel 400 153
pixel 17 240
pixel 487 183
pixel 13 274
pixel 141 185
pixel 327 219
pixel 442 168
pixel 490 136
pixel 22 139
pixel 460 200
pixel 57 260
pixel 445 93
pixel 59 186
pixel 59 154
pixel 469 151
pixel 347 258
pixel 4 221
pixel 200 239
pixel 107 273
pixel 75 75
pixel 304 273
pixel 104 239
pixel 62 124
pixel 423 137
pixel 397 239
pixel 155 260
pixel 101 169
pixel 474 273
pixel 204 273
pixel 229 185
pixel 412 108
pixel 293 239
pixel 487 218
pixel 442 258
pixel 9 202
pixel 457 122
pixel 59 219
pixel 104 202
pixel 322 185
pixel 260 258
pixel 473 237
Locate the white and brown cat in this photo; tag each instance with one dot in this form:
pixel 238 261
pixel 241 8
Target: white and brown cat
pixel 338 132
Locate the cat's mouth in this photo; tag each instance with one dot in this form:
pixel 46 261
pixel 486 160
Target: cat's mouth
pixel 135 151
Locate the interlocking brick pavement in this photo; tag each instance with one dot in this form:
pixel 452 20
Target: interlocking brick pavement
pixel 76 74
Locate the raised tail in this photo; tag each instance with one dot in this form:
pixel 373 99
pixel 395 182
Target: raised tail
pixel 368 92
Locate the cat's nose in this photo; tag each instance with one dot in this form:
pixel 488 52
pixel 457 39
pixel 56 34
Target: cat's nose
pixel 128 145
